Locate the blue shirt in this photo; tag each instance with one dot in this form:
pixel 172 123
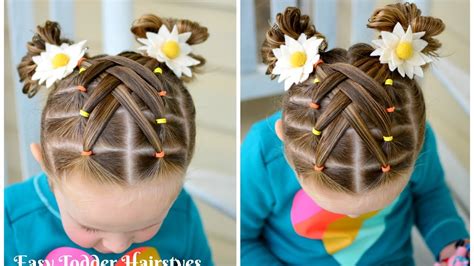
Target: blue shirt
pixel 33 227
pixel 281 225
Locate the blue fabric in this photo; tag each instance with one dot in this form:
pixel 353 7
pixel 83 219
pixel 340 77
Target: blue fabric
pixel 33 226
pixel 268 186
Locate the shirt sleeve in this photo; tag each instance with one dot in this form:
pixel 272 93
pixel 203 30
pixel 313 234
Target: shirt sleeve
pixel 10 247
pixel 435 214
pixel 198 247
pixel 256 203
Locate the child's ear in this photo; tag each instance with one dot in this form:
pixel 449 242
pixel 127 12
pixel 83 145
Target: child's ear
pixel 279 129
pixel 37 153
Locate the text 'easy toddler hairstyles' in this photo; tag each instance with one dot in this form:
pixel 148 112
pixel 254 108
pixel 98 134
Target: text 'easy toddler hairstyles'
pixel 120 119
pixel 354 124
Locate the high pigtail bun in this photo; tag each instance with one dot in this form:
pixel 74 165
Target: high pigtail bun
pixel 407 14
pixel 153 23
pixel 291 23
pixel 49 33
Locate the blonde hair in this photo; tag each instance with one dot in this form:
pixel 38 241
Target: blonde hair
pixel 124 97
pixel 353 102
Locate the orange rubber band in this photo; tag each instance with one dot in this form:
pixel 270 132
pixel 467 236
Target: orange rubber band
pixel 386 168
pixel 318 168
pixel 320 61
pixel 162 93
pixel 80 61
pixel 391 109
pixel 81 88
pixel 314 105
pixel 86 153
pixel 160 154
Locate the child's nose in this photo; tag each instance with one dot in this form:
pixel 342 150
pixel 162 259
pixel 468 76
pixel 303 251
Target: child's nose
pixel 117 244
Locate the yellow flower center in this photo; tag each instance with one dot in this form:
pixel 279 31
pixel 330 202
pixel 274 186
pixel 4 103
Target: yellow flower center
pixel 297 59
pixel 404 50
pixel 60 60
pixel 171 49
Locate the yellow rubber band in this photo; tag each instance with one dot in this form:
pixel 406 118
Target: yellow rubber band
pixel 389 82
pixel 316 80
pixel 161 121
pixel 158 70
pixel 316 132
pixel 84 113
pixel 388 139
pixel 82 69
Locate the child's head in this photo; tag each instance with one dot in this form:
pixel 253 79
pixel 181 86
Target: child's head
pixel 353 121
pixel 117 132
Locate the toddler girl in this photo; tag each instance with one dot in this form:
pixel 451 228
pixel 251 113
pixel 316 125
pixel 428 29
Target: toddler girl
pixel 117 135
pixel 344 171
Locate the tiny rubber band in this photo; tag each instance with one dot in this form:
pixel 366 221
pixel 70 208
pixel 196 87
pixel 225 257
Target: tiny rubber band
pixel 161 121
pixel 320 61
pixel 319 168
pixel 316 132
pixel 158 70
pixel 86 153
pixel 82 69
pixel 391 109
pixel 386 168
pixel 316 80
pixel 387 139
pixel 80 61
pixel 389 82
pixel 162 93
pixel 314 105
pixel 84 113
pixel 160 154
pixel 81 88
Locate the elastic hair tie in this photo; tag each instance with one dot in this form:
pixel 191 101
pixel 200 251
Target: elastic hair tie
pixel 162 93
pixel 80 61
pixel 82 69
pixel 389 82
pixel 391 109
pixel 158 70
pixel 160 154
pixel 319 168
pixel 386 168
pixel 316 132
pixel 314 105
pixel 320 61
pixel 86 153
pixel 387 139
pixel 81 88
pixel 84 113
pixel 161 121
pixel 316 80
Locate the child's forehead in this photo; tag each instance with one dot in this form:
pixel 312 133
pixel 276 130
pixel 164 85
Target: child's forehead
pixel 83 191
pixel 355 204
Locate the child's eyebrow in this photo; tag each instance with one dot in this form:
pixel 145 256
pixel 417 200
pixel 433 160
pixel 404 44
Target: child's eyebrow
pixel 95 229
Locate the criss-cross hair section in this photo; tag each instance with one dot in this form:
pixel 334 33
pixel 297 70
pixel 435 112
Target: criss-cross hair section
pixel 358 94
pixel 125 78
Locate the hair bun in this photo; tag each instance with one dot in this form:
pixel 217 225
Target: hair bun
pixel 290 23
pixel 49 33
pixel 152 23
pixel 408 14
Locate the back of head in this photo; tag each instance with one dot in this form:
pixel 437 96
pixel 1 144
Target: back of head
pixel 353 119
pixel 120 119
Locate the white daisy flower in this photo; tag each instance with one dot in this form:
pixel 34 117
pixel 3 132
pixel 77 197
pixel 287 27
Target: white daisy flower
pixel 57 62
pixel 295 59
pixel 402 51
pixel 171 48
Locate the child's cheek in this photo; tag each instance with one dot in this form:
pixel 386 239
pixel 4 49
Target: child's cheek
pixel 80 236
pixel 145 235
